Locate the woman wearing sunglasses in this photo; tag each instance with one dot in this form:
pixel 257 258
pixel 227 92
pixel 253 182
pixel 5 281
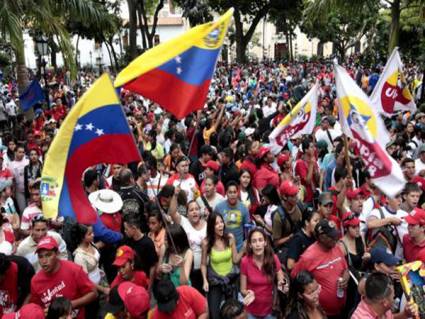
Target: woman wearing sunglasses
pixel 305 292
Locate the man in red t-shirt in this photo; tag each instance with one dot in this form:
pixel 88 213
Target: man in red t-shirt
pixel 326 261
pixel 183 302
pixel 414 241
pixel 60 278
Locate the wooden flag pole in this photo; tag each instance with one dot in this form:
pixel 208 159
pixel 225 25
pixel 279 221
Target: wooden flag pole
pixel 347 157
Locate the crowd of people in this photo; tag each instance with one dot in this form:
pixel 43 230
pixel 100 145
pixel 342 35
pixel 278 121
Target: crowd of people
pixel 212 223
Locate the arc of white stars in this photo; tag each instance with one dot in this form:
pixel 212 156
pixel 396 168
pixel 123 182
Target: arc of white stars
pixel 178 59
pixel 99 132
pixel 90 126
pixel 179 70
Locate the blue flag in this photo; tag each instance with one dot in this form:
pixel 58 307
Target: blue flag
pixel 32 95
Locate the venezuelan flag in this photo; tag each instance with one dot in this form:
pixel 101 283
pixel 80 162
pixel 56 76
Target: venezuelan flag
pixel 95 131
pixel 177 74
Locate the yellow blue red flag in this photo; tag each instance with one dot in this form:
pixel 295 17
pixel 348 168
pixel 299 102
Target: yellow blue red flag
pixel 176 74
pixel 95 131
pixel 301 120
pixel 362 123
pixel 391 92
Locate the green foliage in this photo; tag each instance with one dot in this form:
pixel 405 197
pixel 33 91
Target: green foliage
pixel 341 27
pixel 4 60
pixel 197 11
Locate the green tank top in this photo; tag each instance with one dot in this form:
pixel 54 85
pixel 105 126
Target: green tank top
pixel 174 275
pixel 221 261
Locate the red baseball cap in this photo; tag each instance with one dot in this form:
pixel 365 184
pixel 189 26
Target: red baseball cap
pixel 263 151
pixel 213 165
pixel 124 254
pixel 353 193
pixel 288 188
pixel 282 158
pixel 416 217
pixel 47 242
pixel 28 311
pixel 350 219
pixel 136 298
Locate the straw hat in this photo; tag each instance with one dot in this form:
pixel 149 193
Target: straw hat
pixel 106 200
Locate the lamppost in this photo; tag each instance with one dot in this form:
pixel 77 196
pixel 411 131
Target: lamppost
pixel 91 60
pixel 42 50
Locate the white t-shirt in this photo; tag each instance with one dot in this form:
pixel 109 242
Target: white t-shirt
pixel 218 198
pixel 321 135
pixel 195 238
pixel 401 229
pixel 419 166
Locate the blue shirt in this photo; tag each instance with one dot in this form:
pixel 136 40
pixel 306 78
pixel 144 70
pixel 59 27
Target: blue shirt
pixel 234 218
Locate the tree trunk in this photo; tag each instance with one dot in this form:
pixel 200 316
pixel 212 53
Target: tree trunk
pixel 76 50
pixel 114 54
pixel 291 50
pixel 395 26
pixel 110 55
pixel 142 26
pixel 132 34
pixel 240 47
pixel 53 51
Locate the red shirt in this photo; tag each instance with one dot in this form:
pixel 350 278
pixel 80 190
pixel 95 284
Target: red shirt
pixel 112 221
pixel 301 170
pixel 9 290
pixel 70 281
pixel 326 267
pixel 260 284
pixel 191 305
pixel 412 251
pixel 139 279
pixel 266 175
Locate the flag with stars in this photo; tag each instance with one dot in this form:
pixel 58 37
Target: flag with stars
pixel 361 122
pixel 95 131
pixel 176 74
pixel 392 93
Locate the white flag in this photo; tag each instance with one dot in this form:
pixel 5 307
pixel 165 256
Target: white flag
pixel 301 120
pixel 362 123
pixel 391 92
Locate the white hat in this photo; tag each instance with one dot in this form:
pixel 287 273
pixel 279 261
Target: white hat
pixel 106 200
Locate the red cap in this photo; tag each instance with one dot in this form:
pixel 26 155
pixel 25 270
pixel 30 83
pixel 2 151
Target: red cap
pixel 282 158
pixel 263 151
pixel 288 188
pixel 416 217
pixel 350 219
pixel 124 254
pixel 29 311
pixel 213 165
pixel 47 242
pixel 136 298
pixel 353 193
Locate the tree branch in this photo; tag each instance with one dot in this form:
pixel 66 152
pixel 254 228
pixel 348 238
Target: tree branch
pixel 263 11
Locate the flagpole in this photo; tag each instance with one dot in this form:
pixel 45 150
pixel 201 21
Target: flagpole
pixel 347 158
pixel 194 132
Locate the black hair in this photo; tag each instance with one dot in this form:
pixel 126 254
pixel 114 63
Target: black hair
pixel 133 220
pixel 90 176
pixel 38 219
pixel 156 214
pixel 125 177
pixel 296 304
pixel 4 263
pixel 405 161
pixel 59 307
pixel 340 173
pixel 305 143
pixel 228 152
pixel 231 309
pixel 78 232
pixel 214 179
pixel 178 236
pixel 377 286
pixel 211 231
pixel 270 192
pixel 230 184
pixel 307 216
pixel 410 188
